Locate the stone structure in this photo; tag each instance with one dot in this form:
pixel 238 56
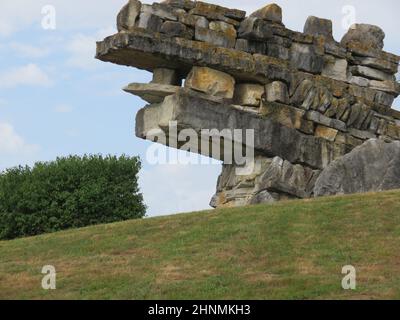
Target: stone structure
pixel 310 99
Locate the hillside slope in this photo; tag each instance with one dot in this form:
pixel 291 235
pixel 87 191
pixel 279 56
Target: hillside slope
pixel 289 250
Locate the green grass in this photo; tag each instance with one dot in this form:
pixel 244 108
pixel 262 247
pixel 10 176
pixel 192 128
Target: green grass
pixel 289 250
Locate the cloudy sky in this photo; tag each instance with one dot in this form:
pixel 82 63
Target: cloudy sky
pixel 56 99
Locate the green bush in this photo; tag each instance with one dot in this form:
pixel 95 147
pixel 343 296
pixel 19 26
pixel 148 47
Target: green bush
pixel 70 192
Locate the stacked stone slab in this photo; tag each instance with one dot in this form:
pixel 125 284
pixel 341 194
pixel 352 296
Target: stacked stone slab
pixel 310 99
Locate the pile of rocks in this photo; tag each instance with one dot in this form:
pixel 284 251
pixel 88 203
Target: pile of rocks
pixel 310 99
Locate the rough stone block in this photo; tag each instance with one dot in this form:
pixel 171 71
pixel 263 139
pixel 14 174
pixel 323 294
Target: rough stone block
pixel 326 133
pixel 151 92
pixel 255 29
pixel 166 76
pixel 150 22
pixel 319 27
pixel 215 12
pixel 371 73
pixel 128 16
pixel 176 29
pixel 210 81
pixel 248 94
pixel 223 27
pixel 365 34
pixel 277 92
pixel 181 4
pixel 304 58
pixel 335 68
pixel 271 12
pixel 214 37
pixel 194 20
pixel 288 116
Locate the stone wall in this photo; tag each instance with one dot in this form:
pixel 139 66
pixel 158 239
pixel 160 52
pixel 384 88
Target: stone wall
pixel 310 99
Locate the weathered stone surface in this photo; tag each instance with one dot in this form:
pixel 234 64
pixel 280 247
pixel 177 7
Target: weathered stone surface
pixel 217 38
pixel 373 166
pixel 283 177
pixel 151 92
pixel 326 133
pixel 182 4
pixel 223 27
pixel 387 86
pixel 129 14
pixel 253 28
pixel 371 73
pixel 215 12
pixel 149 21
pixel 287 116
pixel 166 76
pixel 210 81
pixel 376 63
pixel 194 21
pixel 384 98
pixel 319 27
pixel 176 29
pixel 251 46
pixel 317 117
pixel 277 91
pixel 247 94
pixel 335 68
pixel 304 58
pixel 365 34
pixel 160 10
pixel 271 12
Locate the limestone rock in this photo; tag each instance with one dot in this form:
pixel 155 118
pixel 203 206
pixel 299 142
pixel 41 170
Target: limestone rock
pixel 371 73
pixel 305 58
pixel 194 20
pixel 271 12
pixel 215 12
pixel 253 28
pixel 277 91
pixel 319 27
pixel 129 14
pixel 326 133
pixel 181 4
pixel 284 177
pixel 216 38
pixel 151 92
pixel 373 166
pixel 365 34
pixel 223 27
pixel 210 81
pixel 166 76
pixel 335 68
pixel 248 94
pixel 176 29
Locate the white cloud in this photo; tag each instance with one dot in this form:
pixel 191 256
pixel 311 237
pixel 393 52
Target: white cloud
pixel 13 144
pixel 28 75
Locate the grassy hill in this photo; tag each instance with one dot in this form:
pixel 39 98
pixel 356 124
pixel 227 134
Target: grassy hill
pixel 289 250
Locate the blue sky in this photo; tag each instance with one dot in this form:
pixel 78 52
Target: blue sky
pixel 56 99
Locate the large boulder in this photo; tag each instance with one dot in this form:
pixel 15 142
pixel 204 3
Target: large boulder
pixel 365 34
pixel 373 166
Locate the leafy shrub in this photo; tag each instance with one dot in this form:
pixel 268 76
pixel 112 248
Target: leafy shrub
pixel 70 192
